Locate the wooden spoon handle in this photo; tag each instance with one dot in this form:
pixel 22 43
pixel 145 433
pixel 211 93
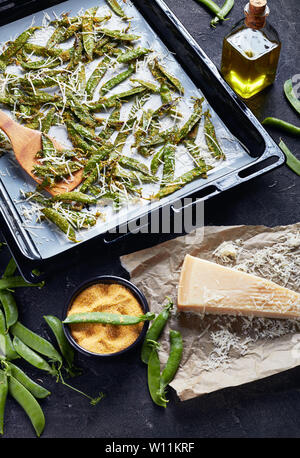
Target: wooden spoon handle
pixel 9 126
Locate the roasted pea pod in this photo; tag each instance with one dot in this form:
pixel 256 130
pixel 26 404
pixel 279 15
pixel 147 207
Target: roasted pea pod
pixel 61 222
pixel 63 54
pixel 193 119
pixel 113 82
pixel 154 376
pixel 132 54
pixel 97 75
pixel 134 164
pixel 14 47
pixel 35 389
pixel 107 318
pixel 171 78
pixel 155 331
pixel 211 138
pixel 148 84
pixel 88 36
pixel 169 163
pixel 57 36
pixel 35 342
pixel 115 7
pixel 114 100
pixel 80 110
pixel 179 182
pixel 57 328
pixel 108 130
pixel 157 160
pixel 74 196
pixel 48 120
pixel 39 64
pixel 117 35
pixel 76 56
pixel 3 396
pixel 174 359
pixel 28 403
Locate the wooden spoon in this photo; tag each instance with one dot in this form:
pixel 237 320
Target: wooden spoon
pixel 25 144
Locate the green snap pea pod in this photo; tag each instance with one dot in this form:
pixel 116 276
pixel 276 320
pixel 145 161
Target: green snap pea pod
pixel 38 99
pixel 61 222
pixel 118 35
pixel 174 359
pixel 213 7
pixel 32 357
pixel 154 376
pixel 3 396
pixel 169 163
pixel 109 129
pixel 134 164
pixel 108 318
pixel 155 331
pixel 112 101
pixel 77 140
pixel 157 161
pixel 28 403
pixel 290 95
pixel 9 306
pixel 97 75
pixel 75 196
pixel 85 132
pixel 227 6
pixel 56 172
pixel 172 79
pixel 282 125
pixel 35 389
pixel 91 178
pixel 291 161
pixel 113 82
pixel 63 54
pixel 88 36
pixel 35 342
pixel 196 172
pixel 115 7
pixel 134 177
pixel 57 328
pixel 56 37
pixel 6 346
pixel 211 138
pixel 14 47
pixel 95 160
pixel 10 268
pixel 152 87
pixel 190 143
pixel 132 54
pixel 38 64
pixel 16 282
pixel 194 119
pixel 80 110
pixel 77 52
pixel 48 120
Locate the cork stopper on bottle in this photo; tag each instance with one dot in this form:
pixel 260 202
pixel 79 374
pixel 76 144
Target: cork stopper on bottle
pixel 256 12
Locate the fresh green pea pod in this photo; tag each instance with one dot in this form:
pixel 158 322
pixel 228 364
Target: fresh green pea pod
pixel 282 125
pixel 10 268
pixel 35 342
pixel 172 365
pixel 56 326
pixel 16 282
pixel 32 357
pixel 28 403
pixel 35 389
pixel 290 95
pixel 10 307
pixel 107 318
pixel 6 345
pixel 3 396
pixel 155 331
pixel 154 377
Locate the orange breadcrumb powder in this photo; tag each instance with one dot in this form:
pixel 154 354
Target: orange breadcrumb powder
pixel 105 338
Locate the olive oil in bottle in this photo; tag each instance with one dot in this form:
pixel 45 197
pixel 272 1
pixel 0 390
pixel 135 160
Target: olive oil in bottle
pixel 251 52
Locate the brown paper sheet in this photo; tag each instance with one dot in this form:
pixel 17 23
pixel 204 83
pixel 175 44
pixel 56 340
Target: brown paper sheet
pixel 223 351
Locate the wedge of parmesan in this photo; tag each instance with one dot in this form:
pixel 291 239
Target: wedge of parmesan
pixel 207 287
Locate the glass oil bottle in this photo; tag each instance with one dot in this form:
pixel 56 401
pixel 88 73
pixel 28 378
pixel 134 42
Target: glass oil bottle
pixel 251 51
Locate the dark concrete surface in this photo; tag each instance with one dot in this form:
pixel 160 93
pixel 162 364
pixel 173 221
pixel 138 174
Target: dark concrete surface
pixel 266 408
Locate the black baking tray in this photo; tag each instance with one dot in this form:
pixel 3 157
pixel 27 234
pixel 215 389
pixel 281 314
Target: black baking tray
pixel 232 111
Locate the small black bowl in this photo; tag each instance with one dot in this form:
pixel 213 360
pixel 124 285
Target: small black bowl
pixel 107 279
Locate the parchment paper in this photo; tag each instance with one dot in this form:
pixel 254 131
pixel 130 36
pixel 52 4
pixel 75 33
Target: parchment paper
pixel 223 351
